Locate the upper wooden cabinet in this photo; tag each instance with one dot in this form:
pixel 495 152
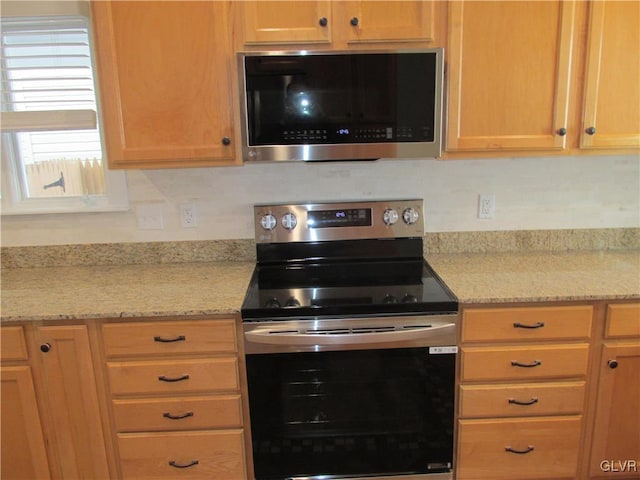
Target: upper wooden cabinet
pixel 522 76
pixel 508 74
pixel 165 73
pixel 611 112
pixel 338 24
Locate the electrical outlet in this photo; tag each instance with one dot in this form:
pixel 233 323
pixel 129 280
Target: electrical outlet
pixel 486 205
pixel 188 216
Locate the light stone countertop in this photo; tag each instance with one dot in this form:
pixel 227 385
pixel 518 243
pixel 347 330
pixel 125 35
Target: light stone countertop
pixel 540 276
pixel 209 288
pixel 86 292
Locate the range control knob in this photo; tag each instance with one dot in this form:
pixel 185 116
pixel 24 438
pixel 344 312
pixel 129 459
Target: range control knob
pixel 268 222
pixel 410 216
pixel 289 221
pixel 390 216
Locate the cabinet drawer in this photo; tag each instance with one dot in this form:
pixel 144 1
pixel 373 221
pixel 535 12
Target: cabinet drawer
pixel 487 448
pixel 623 320
pixel 527 399
pixel 12 345
pixel 524 363
pixel 522 324
pixel 202 455
pixel 187 413
pixel 173 376
pixel 169 338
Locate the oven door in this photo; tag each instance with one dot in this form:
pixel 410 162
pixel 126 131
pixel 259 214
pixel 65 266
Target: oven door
pixel 340 401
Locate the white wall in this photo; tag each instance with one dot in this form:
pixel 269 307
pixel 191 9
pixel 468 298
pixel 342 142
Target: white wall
pixel 531 193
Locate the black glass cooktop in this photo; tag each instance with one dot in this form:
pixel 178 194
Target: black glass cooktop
pixel 345 288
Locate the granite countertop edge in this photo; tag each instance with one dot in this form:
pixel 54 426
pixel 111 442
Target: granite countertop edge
pixel 78 293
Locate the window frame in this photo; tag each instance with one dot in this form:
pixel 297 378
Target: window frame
pixel 14 200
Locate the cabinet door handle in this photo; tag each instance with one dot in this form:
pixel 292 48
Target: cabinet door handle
pixel 177 417
pixel 529 449
pixel 45 347
pixel 179 338
pixel 226 141
pixel 163 378
pixel 183 465
pixel 535 363
pixel 590 131
pixel 354 21
pixel 527 402
pixel 562 131
pixel 612 363
pixel 524 325
pixel 323 21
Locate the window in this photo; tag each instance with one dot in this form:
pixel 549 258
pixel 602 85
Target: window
pixel 52 156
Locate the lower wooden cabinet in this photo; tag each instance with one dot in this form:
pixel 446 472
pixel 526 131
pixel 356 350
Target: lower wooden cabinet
pixel 51 422
pixel 519 449
pixel 22 442
pixel 615 447
pixel 523 383
pixel 175 398
pixel 195 455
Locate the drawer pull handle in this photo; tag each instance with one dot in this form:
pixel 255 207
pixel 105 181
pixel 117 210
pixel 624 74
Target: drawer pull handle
pixel 162 378
pixel 524 325
pixel 177 417
pixel 520 402
pixel 183 465
pixel 180 338
pixel 529 449
pixel 535 363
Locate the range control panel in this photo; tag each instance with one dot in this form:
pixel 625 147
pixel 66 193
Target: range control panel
pixel 339 221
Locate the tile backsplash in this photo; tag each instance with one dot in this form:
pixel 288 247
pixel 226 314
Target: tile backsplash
pixel 534 193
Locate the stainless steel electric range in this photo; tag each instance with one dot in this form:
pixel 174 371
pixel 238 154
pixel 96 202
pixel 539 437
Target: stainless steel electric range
pixel 350 344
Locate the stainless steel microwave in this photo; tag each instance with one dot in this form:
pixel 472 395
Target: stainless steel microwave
pixel 323 106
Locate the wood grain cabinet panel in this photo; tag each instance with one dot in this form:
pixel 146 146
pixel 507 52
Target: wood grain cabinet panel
pixel 623 320
pixel 174 376
pixel 13 346
pixel 202 455
pixel 287 22
pixel 527 399
pixel 508 73
pixel 169 338
pixel 338 24
pixel 611 111
pixel 165 72
pixel 22 444
pixel 524 363
pixel 178 413
pixel 527 324
pixel 519 449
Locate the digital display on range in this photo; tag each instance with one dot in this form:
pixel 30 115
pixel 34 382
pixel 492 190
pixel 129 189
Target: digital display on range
pixel 349 217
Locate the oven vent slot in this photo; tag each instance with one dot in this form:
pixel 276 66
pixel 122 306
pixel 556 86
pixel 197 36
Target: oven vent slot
pixel 350 330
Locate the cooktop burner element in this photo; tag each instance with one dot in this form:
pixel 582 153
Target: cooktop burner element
pixel 342 259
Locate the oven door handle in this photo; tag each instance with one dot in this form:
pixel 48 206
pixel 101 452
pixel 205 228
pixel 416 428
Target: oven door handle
pixel 339 336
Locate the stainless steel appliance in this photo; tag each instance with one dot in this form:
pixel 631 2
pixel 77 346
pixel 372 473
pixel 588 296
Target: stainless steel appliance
pixel 315 106
pixel 350 345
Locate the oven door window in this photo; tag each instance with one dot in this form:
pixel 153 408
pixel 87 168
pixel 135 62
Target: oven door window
pixel 387 411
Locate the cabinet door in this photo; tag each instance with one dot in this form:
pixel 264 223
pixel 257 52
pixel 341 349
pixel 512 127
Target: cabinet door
pixel 71 400
pixel 611 112
pixel 165 77
pixel 23 448
pixel 615 437
pixel 509 66
pixel 375 21
pixel 287 22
